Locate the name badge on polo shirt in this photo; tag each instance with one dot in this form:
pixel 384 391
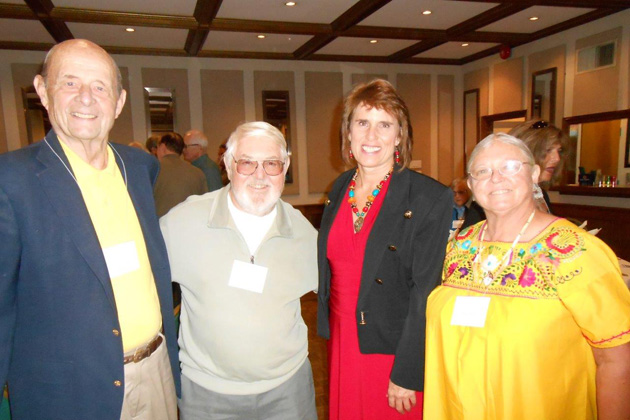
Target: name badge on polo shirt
pixel 457 223
pixel 121 259
pixel 470 311
pixel 248 276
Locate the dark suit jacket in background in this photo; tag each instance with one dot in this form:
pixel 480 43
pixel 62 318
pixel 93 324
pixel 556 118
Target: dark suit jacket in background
pixel 406 254
pixel 472 215
pixel 178 180
pixel 58 349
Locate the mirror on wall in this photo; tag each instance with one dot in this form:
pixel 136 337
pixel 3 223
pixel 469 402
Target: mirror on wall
pixel 501 123
pixel 471 122
pixel 277 112
pixel 159 105
pixel 35 115
pixel 599 144
pixel 543 100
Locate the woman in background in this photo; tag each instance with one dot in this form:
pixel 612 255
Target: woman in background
pixel 547 143
pixel 532 320
pixel 381 247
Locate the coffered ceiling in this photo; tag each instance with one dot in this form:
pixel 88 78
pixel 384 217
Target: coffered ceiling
pixel 384 31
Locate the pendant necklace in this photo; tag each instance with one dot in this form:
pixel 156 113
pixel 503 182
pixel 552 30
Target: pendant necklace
pixel 489 273
pixel 358 224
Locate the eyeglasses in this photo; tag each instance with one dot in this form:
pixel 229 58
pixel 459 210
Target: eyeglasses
pixel 508 168
pixel 186 146
pixel 539 124
pixel 247 167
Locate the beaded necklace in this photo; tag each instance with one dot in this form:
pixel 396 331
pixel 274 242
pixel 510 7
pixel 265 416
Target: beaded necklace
pixel 489 272
pixel 358 224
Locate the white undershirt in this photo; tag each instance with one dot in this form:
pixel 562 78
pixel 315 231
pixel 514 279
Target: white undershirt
pixel 252 227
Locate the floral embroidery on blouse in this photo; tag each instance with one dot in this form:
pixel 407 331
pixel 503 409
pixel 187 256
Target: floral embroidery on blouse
pixel 531 271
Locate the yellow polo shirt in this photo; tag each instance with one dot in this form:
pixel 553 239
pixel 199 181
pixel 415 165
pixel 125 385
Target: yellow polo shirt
pixel 116 223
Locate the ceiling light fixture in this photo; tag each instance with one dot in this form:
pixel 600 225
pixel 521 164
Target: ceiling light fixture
pixel 533 18
pixel 373 41
pixel 290 3
pixel 261 37
pixel 130 30
pixel 465 44
pixel 427 12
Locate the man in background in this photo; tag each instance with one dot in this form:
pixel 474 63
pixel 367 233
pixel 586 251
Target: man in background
pixel 178 180
pixel 196 152
pixel 84 283
pixel 466 212
pixel 244 258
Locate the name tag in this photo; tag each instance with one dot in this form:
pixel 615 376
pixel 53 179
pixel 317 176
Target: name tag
pixel 470 311
pixel 457 223
pixel 248 276
pixel 121 259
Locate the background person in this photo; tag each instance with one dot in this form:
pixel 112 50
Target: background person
pixel 466 212
pixel 243 342
pixel 532 320
pixel 196 152
pixel 152 144
pixel 372 293
pixel 547 143
pixel 84 281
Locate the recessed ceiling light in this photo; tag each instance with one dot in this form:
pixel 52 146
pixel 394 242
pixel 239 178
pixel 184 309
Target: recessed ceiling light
pixel 427 12
pixel 290 3
pixel 373 41
pixel 130 30
pixel 465 44
pixel 261 37
pixel 533 18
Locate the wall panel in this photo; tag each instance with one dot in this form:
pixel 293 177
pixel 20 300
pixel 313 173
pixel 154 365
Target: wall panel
pixel 23 75
pixel 446 101
pixel 415 89
pixel 543 60
pixel 479 79
pixel 508 86
pixel 122 132
pixel 366 77
pixel 176 79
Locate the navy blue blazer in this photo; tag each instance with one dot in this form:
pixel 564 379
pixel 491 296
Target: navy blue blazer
pixel 403 261
pixel 58 349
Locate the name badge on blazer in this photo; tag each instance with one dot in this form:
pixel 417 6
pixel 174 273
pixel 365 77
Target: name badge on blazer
pixel 248 276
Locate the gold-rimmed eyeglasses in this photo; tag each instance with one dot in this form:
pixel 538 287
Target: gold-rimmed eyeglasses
pixel 509 167
pixel 247 167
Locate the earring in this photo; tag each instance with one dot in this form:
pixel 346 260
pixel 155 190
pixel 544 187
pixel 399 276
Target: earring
pixel 397 155
pixel 351 155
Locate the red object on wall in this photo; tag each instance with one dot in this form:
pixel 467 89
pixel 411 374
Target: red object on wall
pixel 505 52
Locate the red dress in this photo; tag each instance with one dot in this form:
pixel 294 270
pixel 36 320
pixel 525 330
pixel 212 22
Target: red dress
pixel 358 382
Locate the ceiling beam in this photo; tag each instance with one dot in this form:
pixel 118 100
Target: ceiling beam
pixel 595 4
pixel 269 27
pixel 486 18
pixel 123 18
pixel 206 10
pixel 414 49
pixel 195 40
pixel 56 28
pixel 16 11
pixel 314 44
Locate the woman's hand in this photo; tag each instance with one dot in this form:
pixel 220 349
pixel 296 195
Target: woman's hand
pixel 400 399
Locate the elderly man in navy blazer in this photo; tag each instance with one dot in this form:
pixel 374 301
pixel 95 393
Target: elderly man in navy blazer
pixel 86 322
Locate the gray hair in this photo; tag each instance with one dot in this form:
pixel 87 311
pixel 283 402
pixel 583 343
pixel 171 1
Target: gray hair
pixel 500 138
pixel 51 53
pixel 198 137
pixel 255 128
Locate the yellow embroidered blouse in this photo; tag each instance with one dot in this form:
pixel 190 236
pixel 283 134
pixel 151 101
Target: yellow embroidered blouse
pixel 557 296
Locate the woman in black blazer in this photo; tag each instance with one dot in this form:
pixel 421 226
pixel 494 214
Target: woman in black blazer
pixel 379 261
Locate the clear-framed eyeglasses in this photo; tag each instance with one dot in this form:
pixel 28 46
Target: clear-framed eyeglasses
pixel 509 167
pixel 247 166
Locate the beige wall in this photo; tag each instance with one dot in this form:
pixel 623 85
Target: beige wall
pixel 544 60
pixel 446 100
pixel 281 80
pixel 415 89
pixel 324 108
pixel 122 132
pixel 364 77
pixel 479 79
pixel 597 90
pixel 176 79
pixel 508 86
pixel 223 105
pixel 23 75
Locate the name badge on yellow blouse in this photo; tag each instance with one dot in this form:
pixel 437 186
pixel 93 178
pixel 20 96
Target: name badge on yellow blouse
pixel 248 276
pixel 121 259
pixel 470 311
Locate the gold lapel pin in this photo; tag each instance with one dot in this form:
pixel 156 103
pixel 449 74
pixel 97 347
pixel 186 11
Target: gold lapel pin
pixel 408 214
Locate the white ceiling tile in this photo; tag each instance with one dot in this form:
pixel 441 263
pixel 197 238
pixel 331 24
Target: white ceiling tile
pixel 455 50
pixel 547 16
pixel 362 46
pixel 158 7
pixel 242 41
pixel 143 37
pixel 309 11
pixel 15 30
pixel 408 13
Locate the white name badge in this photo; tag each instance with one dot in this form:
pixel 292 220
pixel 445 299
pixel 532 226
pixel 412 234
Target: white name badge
pixel 470 311
pixel 457 223
pixel 248 276
pixel 121 259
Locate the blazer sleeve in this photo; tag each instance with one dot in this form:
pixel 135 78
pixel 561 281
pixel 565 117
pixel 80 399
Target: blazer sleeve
pixel 429 247
pixel 9 268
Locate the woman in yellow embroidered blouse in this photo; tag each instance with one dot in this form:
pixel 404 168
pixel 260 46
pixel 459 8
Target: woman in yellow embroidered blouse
pixel 532 320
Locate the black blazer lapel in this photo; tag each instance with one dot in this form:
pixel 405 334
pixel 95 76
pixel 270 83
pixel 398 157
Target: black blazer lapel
pixel 393 207
pixel 66 198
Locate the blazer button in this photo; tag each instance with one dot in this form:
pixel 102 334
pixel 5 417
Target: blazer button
pixel 379 281
pixel 327 202
pixel 117 383
pixel 116 332
pixel 408 214
pixel 392 248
